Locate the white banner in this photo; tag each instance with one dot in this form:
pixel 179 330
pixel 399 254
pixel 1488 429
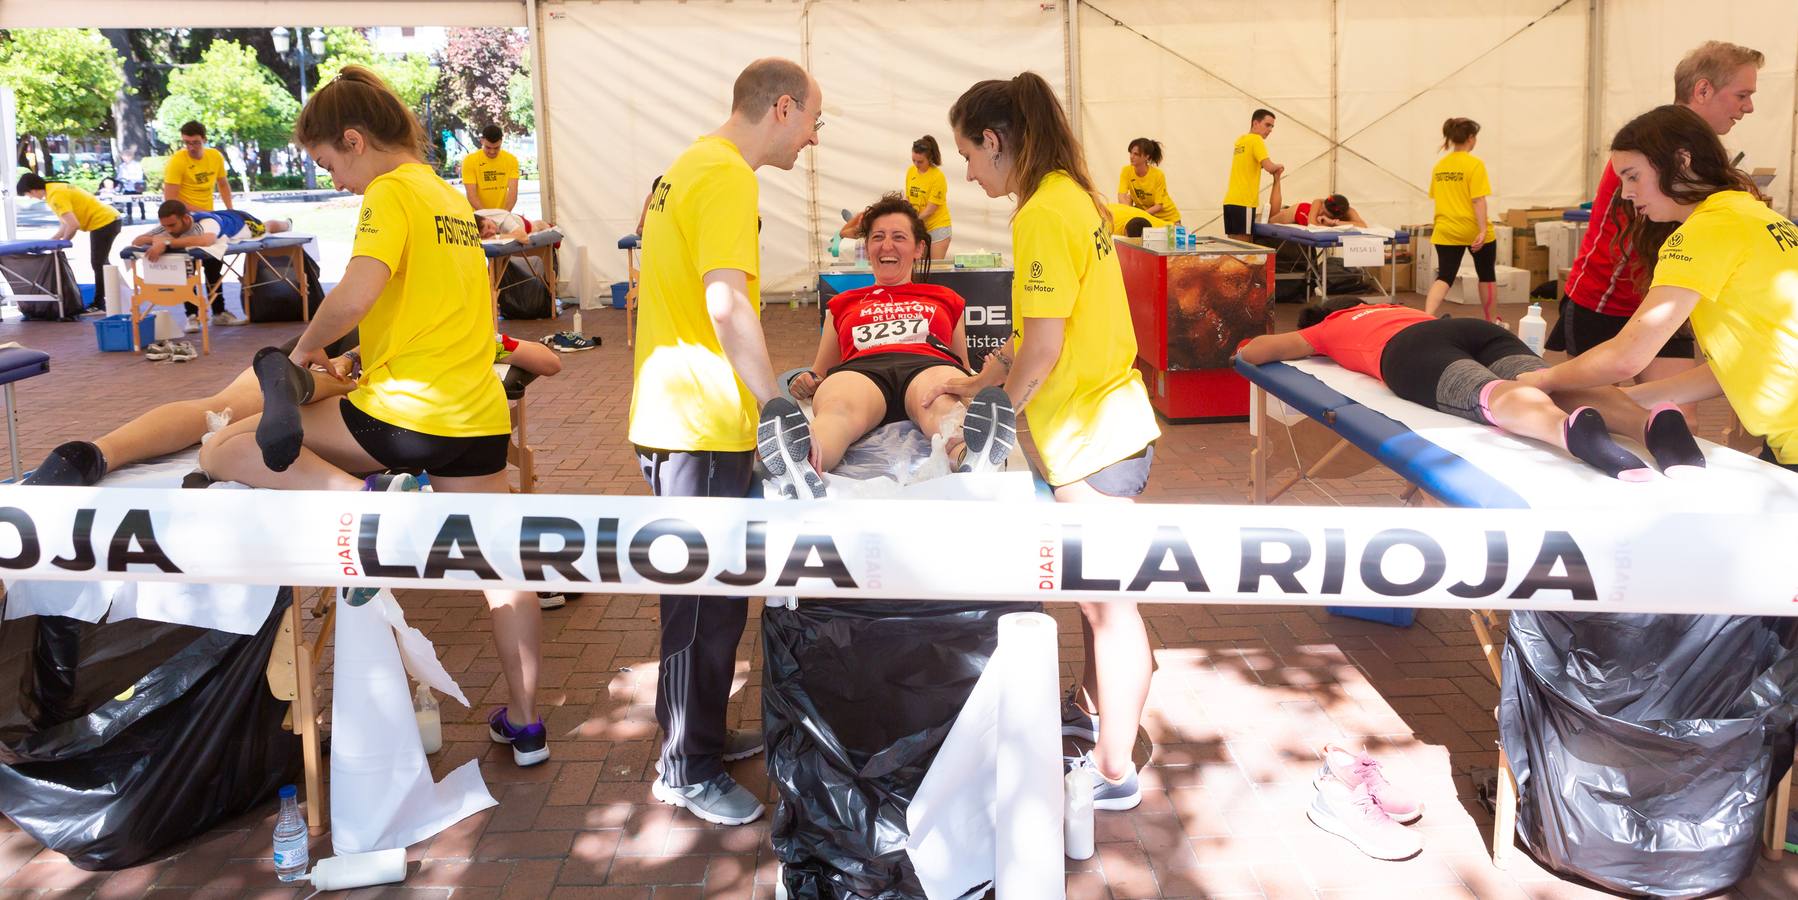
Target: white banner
pixel 1448 558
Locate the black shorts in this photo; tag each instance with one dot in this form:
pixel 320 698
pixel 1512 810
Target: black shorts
pixel 1485 262
pixel 1127 477
pixel 402 448
pixel 1239 219
pixel 1447 364
pixel 892 372
pixel 1584 329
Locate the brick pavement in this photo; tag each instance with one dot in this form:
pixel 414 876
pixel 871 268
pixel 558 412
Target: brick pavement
pixel 1242 700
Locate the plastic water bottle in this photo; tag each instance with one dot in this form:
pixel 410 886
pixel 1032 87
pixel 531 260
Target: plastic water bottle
pixel 1532 328
pixel 430 721
pixel 577 321
pixel 1077 816
pixel 291 860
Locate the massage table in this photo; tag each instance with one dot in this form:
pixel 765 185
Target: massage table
pixel 1316 243
pixel 253 254
pixel 1577 215
pixel 539 246
pixel 1465 464
pixel 34 248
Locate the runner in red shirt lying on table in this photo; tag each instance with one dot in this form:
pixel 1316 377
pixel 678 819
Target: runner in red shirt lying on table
pixel 1468 368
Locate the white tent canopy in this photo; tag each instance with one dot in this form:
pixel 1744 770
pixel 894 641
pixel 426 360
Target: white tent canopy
pixel 1361 86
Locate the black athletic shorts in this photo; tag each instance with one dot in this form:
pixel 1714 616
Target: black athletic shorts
pixel 402 448
pixel 1128 477
pixel 1239 219
pixel 1584 329
pixel 1485 262
pixel 893 372
pixel 1446 364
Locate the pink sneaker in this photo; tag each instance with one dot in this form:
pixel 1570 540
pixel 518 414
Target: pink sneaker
pixel 1350 813
pixel 1359 769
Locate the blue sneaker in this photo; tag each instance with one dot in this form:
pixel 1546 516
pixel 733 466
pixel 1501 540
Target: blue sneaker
pixel 530 743
pixel 381 481
pixel 569 342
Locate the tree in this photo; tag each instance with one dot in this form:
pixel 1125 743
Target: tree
pixel 477 66
pixel 239 100
pixel 129 119
pixel 521 104
pixel 412 77
pixel 65 80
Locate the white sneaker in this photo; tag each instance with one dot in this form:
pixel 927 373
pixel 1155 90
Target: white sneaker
pixel 1351 814
pixel 193 325
pixel 157 351
pixel 228 318
pixel 182 351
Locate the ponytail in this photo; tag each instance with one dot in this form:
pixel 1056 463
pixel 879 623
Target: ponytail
pixel 1151 149
pixel 927 148
pixel 1458 131
pixel 358 99
pixel 1031 126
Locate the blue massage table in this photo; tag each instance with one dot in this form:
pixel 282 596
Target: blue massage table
pixel 253 254
pixel 1316 246
pixel 1577 215
pixel 34 248
pixel 539 246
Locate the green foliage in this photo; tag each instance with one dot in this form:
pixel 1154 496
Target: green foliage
pixel 412 77
pixel 65 79
pixel 294 182
pixel 520 104
pixel 237 98
pixel 153 169
pixel 85 176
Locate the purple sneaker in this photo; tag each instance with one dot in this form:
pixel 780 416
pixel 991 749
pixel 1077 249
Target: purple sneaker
pixel 530 744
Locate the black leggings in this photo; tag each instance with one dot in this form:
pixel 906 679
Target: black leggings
pixel 100 254
pixel 1447 364
pixel 1448 262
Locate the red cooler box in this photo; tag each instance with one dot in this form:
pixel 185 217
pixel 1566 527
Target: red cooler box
pixel 1191 307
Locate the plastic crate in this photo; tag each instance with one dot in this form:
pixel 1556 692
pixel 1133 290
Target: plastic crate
pixel 1400 616
pixel 114 332
pixel 620 291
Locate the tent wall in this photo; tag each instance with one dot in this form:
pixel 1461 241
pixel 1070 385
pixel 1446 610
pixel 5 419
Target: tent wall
pixel 629 85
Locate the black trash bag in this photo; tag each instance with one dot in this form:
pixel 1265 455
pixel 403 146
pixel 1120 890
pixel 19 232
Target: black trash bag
pixel 857 697
pixel 1645 747
pixel 523 295
pixel 125 739
pixel 276 297
pixel 47 278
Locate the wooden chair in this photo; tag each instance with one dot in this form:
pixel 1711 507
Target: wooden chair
pixel 519 451
pixel 293 676
pixel 630 244
pixel 152 294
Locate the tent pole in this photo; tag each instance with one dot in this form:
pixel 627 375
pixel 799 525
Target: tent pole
pixel 1070 58
pixel 815 250
pixel 540 109
pixel 1335 96
pixel 1594 94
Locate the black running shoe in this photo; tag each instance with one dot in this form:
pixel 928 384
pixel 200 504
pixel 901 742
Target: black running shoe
pixel 783 438
pixel 990 430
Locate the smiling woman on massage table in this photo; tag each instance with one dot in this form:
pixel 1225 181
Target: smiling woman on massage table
pixel 884 350
pixel 1468 368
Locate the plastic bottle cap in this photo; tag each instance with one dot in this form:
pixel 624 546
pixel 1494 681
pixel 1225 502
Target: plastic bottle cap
pixel 288 790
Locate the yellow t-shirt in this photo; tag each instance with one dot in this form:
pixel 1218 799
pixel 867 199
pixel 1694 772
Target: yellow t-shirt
pixel 923 190
pixel 1092 409
pixel 1458 179
pixel 197 179
pixel 1121 216
pixel 491 177
pixel 427 343
pixel 1147 191
pixel 702 218
pixel 1742 260
pixel 90 213
pixel 1246 158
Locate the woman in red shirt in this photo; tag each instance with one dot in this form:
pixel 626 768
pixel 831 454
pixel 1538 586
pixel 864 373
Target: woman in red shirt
pixel 885 348
pixel 1468 368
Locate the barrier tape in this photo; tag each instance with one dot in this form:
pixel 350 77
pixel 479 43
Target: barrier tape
pixel 929 550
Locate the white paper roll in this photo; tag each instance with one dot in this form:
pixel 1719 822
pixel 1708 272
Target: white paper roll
pixel 359 870
pixel 1029 822
pixel 116 289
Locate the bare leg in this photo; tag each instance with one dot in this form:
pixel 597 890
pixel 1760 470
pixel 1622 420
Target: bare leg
pixel 1527 411
pixel 276 226
pixel 517 618
pixel 930 418
pixel 173 427
pixel 1433 300
pixel 1489 300
pixel 847 406
pixel 1667 367
pixel 941 250
pixel 1118 662
pixel 326 461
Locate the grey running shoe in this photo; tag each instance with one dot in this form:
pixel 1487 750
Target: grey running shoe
pixel 721 801
pixel 183 351
pixel 158 351
pixel 783 439
pixel 990 430
pixel 1077 722
pixel 1112 795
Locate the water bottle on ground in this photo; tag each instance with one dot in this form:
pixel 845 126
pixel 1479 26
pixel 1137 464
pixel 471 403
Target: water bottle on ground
pixel 1532 328
pixel 291 859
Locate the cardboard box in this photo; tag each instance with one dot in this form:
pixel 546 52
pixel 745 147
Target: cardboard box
pixel 1395 279
pixel 1513 286
pixel 1526 219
